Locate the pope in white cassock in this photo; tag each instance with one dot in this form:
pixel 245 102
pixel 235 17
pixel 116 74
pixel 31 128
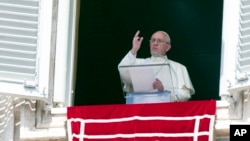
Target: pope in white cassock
pixel 180 89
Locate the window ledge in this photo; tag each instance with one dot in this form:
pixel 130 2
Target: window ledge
pixel 57 129
pixel 58 119
pixel 56 111
pixel 55 134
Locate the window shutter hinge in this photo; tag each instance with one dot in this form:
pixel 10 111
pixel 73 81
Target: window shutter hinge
pixel 30 84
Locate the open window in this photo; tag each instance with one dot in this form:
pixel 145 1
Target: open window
pixel 235 61
pixel 37 54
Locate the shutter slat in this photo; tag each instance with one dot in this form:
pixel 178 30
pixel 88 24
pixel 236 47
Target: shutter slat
pixel 244 24
pixel 245 2
pixel 34 3
pixel 18 31
pixel 245 32
pixel 18 23
pixel 18 54
pixel 16 68
pixel 18 16
pixel 18 38
pixel 245 9
pixel 19 9
pixel 244 54
pixel 245 17
pixel 244 39
pixel 17 61
pixel 244 47
pixel 15 77
pixel 17 46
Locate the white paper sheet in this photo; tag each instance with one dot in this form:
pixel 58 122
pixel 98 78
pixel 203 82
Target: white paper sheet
pixel 142 79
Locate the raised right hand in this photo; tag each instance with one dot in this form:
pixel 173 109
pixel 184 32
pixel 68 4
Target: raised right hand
pixel 137 40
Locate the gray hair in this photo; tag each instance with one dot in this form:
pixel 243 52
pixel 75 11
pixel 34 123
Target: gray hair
pixel 167 36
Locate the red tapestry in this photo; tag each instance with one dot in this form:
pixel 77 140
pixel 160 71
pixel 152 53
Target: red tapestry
pixel 177 121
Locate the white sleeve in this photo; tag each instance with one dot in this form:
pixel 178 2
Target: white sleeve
pixel 129 59
pixel 183 85
pixel 183 95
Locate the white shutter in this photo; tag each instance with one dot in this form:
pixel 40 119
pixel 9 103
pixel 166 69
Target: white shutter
pixel 18 40
pixel 242 70
pixel 26 54
pixel 236 44
pixel 243 61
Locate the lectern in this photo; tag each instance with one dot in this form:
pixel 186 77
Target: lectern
pixel 137 83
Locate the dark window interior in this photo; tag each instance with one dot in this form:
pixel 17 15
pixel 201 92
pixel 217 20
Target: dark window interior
pixel 106 30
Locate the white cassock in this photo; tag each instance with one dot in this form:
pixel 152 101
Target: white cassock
pixel 180 89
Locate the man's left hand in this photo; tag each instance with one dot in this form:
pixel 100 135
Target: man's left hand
pixel 158 85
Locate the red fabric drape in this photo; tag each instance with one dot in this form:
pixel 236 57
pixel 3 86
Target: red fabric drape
pixel 177 121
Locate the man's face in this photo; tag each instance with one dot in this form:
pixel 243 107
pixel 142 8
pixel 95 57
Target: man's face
pixel 158 44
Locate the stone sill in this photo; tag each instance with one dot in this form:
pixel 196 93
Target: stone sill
pixel 59 111
pixel 51 134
